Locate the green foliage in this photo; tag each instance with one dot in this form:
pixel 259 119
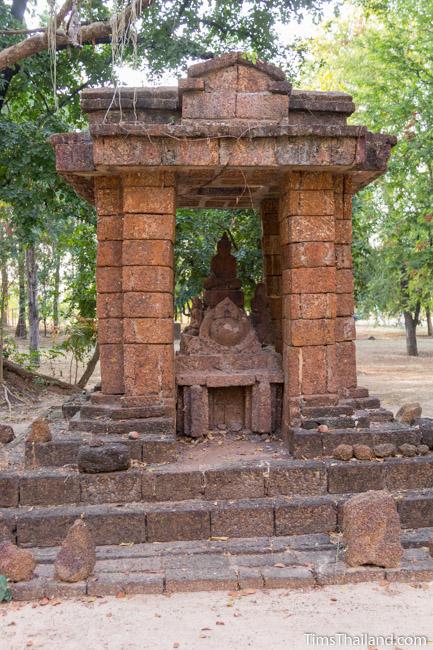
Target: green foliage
pixel 80 341
pixel 81 246
pixel 175 32
pixel 9 347
pixel 381 53
pixel 5 592
pixel 197 233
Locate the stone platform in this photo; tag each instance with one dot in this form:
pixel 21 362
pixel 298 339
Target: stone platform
pixel 225 513
pixel 295 562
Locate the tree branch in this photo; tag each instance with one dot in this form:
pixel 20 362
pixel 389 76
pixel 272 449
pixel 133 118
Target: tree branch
pixel 89 34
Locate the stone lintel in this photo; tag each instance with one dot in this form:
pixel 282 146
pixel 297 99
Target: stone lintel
pixel 334 149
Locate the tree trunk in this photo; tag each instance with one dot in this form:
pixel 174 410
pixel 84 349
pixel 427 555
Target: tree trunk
pixel 2 311
pixel 28 375
pixel 21 329
pixel 5 294
pixel 429 322
pixel 410 324
pixel 32 287
pixel 56 293
pixel 82 382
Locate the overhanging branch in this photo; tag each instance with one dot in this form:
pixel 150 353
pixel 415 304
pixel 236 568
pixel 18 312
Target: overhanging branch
pixel 93 33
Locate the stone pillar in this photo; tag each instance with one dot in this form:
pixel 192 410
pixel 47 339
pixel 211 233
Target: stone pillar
pixel 308 261
pixel 149 207
pixel 108 200
pixel 345 334
pixel 271 249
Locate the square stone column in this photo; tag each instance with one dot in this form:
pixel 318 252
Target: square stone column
pixel 109 297
pixel 271 249
pixel 345 333
pixel 135 287
pixel 149 208
pixel 309 286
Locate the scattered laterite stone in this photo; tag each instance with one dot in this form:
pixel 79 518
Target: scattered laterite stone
pixel 113 457
pixel 133 435
pixel 408 413
pixel 408 450
pixel 343 452
pixel 385 450
pixel 363 452
pixel 6 434
pixel 39 431
pixel 17 564
pixel 371 530
pixel 423 450
pixel 323 428
pixel 77 557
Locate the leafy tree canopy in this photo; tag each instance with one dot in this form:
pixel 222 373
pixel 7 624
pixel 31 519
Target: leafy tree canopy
pixel 382 53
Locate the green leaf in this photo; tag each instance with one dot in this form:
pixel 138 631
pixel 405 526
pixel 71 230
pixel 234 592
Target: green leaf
pixel 5 592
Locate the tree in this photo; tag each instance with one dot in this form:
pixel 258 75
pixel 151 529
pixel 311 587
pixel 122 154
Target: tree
pixel 80 45
pixel 197 233
pixel 169 32
pixel 381 53
pixel 21 328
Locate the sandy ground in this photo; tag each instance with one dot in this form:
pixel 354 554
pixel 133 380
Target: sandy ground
pixel 262 620
pixel 389 373
pixel 383 367
pixel 259 619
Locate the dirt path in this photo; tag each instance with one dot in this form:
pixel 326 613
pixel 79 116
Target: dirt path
pixel 386 370
pixel 261 620
pixel 383 367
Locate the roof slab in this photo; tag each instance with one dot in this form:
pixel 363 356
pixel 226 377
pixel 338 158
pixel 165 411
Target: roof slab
pixel 230 132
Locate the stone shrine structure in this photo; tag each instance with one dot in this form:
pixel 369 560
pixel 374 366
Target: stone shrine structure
pixel 233 134
pixel 225 379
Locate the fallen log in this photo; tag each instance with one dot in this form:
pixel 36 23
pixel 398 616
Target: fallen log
pixel 28 375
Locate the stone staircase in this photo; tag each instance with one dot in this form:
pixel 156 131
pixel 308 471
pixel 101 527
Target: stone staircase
pixel 184 518
pixel 327 422
pixel 149 509
pixel 236 565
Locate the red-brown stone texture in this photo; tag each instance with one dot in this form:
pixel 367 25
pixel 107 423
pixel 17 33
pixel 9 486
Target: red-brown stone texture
pixel 233 134
pixel 371 529
pixel 271 248
pixel 108 201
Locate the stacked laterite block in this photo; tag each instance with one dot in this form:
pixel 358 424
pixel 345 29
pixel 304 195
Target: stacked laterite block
pixel 309 287
pixel 147 282
pixel 345 368
pixel 271 248
pixel 108 201
pixel 136 227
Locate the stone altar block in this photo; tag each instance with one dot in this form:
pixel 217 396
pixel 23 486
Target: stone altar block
pixel 226 378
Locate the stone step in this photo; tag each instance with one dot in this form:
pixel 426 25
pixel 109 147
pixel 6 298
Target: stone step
pixel 228 481
pixel 306 561
pixel 151 448
pixel 337 422
pixel 312 412
pixel 136 523
pixel 362 402
pixel 92 411
pixel 102 425
pixel 313 444
pixel 380 415
pixel 183 520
